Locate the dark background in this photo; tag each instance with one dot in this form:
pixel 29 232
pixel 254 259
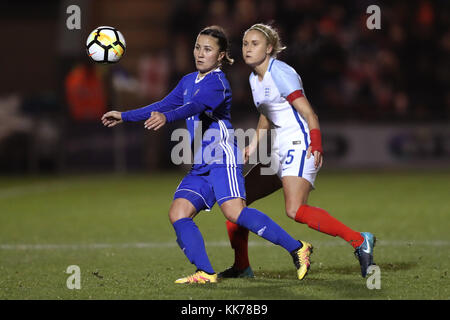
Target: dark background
pixel 397 76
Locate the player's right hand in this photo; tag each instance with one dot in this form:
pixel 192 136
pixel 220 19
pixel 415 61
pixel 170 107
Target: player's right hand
pixel 112 118
pixel 318 157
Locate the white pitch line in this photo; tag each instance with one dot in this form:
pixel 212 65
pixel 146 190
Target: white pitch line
pixel 23 190
pixel 144 245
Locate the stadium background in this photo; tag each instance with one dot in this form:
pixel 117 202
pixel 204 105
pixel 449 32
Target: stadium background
pixel 381 95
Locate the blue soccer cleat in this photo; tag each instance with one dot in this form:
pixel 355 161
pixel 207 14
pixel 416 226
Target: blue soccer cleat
pixel 364 253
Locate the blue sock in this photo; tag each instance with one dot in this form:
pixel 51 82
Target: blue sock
pixel 191 242
pixel 259 223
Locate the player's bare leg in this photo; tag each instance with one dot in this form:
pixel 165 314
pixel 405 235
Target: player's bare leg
pixel 296 192
pixel 181 208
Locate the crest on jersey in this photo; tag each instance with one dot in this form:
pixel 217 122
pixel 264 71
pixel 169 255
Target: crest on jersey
pixel 266 92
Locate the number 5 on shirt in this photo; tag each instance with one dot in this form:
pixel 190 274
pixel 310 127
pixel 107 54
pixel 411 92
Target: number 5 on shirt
pixel 290 157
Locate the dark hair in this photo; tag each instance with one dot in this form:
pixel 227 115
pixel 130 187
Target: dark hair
pixel 222 39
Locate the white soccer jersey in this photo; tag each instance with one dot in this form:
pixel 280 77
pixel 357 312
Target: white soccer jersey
pixel 273 97
pixel 280 85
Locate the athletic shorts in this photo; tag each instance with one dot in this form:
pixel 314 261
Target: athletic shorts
pixel 218 185
pixel 290 160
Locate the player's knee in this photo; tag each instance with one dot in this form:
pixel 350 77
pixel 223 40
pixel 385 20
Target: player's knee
pixel 292 209
pixel 290 212
pixel 232 214
pixel 179 210
pixel 232 208
pixel 175 216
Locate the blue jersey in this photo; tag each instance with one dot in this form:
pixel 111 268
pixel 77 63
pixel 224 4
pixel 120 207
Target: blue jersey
pixel 205 104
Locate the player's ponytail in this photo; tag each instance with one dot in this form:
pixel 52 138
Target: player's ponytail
pixel 272 36
pixel 222 39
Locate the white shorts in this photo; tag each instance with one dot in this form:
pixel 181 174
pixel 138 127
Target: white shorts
pixel 292 161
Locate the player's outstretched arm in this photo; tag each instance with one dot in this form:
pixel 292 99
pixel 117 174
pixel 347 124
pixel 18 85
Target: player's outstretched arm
pixel 112 118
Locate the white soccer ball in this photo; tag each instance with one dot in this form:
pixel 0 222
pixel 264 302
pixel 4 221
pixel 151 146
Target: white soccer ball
pixel 105 45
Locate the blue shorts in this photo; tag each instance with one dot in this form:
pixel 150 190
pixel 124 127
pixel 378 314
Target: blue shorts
pixel 218 185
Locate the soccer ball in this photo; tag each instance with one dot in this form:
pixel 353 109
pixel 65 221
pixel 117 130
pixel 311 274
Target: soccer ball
pixel 105 45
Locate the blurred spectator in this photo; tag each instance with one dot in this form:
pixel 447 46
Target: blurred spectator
pixel 398 73
pixel 85 93
pixel 83 144
pixel 15 132
pixel 11 119
pixel 350 73
pixel 153 76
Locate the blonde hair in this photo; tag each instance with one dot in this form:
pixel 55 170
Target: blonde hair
pixel 272 36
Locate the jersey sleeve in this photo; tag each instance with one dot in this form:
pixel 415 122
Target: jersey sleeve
pixel 287 81
pixel 210 95
pixel 169 102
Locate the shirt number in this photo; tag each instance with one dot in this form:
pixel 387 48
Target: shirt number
pixel 290 157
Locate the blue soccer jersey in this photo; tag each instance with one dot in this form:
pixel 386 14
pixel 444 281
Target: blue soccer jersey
pixel 205 104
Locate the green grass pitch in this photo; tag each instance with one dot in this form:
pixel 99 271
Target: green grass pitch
pixel 116 229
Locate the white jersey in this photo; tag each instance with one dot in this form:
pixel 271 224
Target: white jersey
pixel 273 96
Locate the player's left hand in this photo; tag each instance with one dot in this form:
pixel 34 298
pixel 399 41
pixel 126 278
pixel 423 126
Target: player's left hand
pixel 156 121
pixel 318 157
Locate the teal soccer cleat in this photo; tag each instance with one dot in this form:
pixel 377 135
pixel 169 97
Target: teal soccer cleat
pixel 233 272
pixel 364 253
